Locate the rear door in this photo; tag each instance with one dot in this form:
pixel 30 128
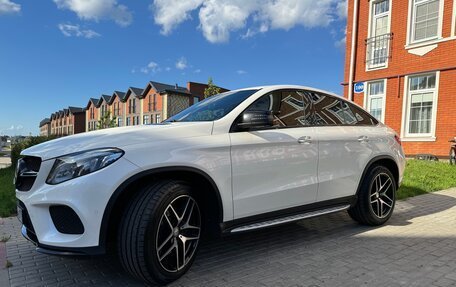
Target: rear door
pixel 275 168
pixel 344 149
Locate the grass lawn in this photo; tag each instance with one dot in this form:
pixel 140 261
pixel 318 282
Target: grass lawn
pixel 7 196
pixel 426 176
pixel 420 177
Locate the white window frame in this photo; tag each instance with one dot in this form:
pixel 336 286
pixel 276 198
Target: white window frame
pixel 368 97
pixel 453 20
pixel 411 26
pixel 371 67
pixel 405 135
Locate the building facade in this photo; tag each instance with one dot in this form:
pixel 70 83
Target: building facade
pixel 401 67
pixel 68 121
pixel 45 127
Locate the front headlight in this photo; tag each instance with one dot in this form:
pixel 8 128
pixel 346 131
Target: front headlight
pixel 78 164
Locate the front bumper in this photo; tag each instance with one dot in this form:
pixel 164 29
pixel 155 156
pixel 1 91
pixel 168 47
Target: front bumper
pixel 87 196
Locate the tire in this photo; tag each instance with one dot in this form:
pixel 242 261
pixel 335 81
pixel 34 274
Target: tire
pixel 372 207
pixel 161 222
pixel 452 156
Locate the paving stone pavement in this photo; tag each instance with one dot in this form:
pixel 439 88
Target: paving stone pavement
pixel 416 248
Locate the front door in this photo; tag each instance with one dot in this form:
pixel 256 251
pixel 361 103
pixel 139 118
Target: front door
pixel 275 168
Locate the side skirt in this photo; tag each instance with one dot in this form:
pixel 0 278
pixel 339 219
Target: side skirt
pixel 287 215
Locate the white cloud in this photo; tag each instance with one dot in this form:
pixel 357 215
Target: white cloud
pixel 342 9
pixel 6 7
pixel 219 18
pixel 13 127
pixel 181 64
pixel 241 72
pixel 170 13
pixel 167 69
pixel 197 71
pixel 97 10
pixel 70 30
pixel 152 67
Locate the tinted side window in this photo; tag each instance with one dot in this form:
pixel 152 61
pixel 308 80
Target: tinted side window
pixel 331 111
pixel 362 117
pixel 287 108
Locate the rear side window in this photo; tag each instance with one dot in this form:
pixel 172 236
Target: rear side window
pixel 331 111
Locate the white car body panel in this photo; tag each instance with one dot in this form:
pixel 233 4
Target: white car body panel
pixel 284 170
pixel 240 164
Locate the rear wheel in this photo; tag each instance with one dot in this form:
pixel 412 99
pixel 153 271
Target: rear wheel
pixel 376 197
pixel 160 232
pixel 453 156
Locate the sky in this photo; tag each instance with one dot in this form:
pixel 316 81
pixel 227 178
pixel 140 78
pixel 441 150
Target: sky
pixel 60 53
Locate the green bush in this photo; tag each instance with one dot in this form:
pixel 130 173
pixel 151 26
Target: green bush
pixel 17 148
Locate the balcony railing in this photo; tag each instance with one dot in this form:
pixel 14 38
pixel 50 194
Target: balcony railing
pixel 378 50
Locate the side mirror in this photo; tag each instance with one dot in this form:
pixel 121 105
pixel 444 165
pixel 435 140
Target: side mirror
pixel 255 119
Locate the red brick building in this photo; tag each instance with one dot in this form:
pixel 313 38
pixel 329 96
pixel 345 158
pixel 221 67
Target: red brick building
pixel 68 121
pixel 400 65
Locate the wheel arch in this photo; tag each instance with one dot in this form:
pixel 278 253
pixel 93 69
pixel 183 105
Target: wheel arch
pixel 381 160
pixel 121 196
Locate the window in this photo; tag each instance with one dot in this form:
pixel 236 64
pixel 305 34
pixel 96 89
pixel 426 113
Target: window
pixel 421 104
pixel 128 121
pixel 213 108
pixel 157 118
pixel 195 100
pixel 146 120
pixel 331 111
pixel 287 107
pixel 378 43
pixel 425 20
pixel 119 122
pixel 134 106
pixel 375 101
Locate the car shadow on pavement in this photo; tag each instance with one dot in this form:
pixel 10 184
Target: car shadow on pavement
pixel 315 251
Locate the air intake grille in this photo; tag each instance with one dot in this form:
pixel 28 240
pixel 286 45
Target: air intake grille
pixel 26 171
pixel 66 220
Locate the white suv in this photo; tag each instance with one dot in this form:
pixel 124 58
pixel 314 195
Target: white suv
pixel 235 162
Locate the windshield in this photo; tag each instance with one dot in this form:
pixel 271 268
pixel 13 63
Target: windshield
pixel 212 108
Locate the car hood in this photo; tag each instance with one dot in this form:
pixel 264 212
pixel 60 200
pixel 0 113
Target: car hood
pixel 118 137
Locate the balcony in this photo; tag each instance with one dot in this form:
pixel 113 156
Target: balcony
pixel 378 51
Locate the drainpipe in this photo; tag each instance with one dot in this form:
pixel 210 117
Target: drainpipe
pixel 353 50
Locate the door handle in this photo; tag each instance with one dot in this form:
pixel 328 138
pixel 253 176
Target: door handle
pixel 363 139
pixel 305 140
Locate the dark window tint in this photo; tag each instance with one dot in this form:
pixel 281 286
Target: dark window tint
pixel 362 117
pixel 288 108
pixel 331 111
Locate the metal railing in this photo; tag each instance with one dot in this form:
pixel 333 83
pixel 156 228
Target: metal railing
pixel 378 50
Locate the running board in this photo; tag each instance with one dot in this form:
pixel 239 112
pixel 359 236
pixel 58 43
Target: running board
pixel 291 218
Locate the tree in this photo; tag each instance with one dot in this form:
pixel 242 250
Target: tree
pixel 211 89
pixel 106 121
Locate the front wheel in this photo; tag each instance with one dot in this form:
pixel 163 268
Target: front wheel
pixel 453 155
pixel 160 232
pixel 376 197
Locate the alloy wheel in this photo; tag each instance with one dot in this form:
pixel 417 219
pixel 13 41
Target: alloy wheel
pixel 382 195
pixel 178 233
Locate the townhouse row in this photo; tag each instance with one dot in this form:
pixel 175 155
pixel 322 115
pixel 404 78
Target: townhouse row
pixel 136 106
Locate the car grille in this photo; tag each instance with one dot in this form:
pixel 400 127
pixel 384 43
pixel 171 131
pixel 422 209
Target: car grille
pixel 26 171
